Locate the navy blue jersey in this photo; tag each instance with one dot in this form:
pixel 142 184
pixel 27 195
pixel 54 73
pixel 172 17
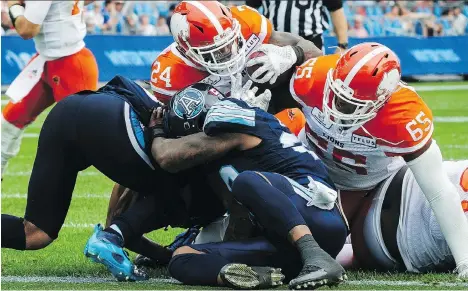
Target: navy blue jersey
pixel 139 99
pixel 279 152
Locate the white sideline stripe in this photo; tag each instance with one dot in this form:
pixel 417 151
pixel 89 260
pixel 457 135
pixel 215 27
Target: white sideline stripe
pixel 81 280
pixel 451 119
pixel 456 146
pixel 422 88
pixel 28 173
pixel 84 196
pixel 404 283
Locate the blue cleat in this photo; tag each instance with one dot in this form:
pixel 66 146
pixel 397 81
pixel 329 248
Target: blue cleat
pixel 107 249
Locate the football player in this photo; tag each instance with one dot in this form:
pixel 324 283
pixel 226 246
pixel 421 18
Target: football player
pixel 399 213
pixel 103 129
pixel 268 171
pixel 367 125
pixel 241 147
pixel 212 43
pixel 61 67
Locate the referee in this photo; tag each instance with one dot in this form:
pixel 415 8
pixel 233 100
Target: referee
pixel 306 18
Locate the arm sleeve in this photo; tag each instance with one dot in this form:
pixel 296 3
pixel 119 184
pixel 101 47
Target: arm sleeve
pixel 228 117
pixel 36 11
pixel 444 200
pixel 333 5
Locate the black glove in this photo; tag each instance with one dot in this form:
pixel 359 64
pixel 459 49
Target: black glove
pixel 156 126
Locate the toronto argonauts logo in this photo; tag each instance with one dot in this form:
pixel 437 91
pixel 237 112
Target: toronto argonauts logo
pixel 188 103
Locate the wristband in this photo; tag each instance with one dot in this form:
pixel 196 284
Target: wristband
pixel 299 54
pixel 15 11
pixel 343 45
pixel 156 131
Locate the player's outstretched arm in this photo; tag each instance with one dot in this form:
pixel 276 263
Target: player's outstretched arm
pixel 427 169
pixel 175 155
pixel 288 39
pixel 28 20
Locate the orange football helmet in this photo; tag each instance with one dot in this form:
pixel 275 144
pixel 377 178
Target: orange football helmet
pixel 206 32
pixel 363 80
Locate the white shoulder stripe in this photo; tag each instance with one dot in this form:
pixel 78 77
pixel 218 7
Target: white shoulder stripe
pixel 362 62
pixel 263 30
pixel 397 150
pixel 401 84
pixel 208 14
pixel 163 91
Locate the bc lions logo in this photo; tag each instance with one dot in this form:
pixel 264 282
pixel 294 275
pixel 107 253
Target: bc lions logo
pixel 189 103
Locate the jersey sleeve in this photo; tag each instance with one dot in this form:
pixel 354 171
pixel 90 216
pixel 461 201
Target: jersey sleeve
pixel 169 75
pixel 229 116
pixel 405 124
pixel 307 83
pixel 36 11
pixel 293 119
pixel 256 28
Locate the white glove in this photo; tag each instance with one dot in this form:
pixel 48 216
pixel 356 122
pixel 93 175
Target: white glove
pixel 246 94
pixel 276 61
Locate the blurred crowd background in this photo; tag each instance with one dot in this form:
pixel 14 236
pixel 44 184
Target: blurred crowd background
pixel 426 18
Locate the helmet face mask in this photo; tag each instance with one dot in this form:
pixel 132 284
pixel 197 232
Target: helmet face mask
pixel 224 57
pixel 342 108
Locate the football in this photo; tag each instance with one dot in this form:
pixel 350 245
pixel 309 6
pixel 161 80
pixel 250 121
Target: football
pixel 252 69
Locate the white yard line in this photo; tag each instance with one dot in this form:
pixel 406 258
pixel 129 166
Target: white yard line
pixel 78 225
pixel 81 280
pixel 438 119
pixel 28 173
pixel 81 196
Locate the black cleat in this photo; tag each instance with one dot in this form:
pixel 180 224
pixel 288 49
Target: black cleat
pixel 240 276
pixel 142 261
pixel 330 273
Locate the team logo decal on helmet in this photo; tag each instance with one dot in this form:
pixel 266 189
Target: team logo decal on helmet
pixel 189 104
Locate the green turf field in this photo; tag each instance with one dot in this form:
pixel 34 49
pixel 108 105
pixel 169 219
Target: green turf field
pixel 63 265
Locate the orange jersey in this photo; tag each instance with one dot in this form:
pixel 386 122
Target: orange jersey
pixel 361 159
pixel 172 71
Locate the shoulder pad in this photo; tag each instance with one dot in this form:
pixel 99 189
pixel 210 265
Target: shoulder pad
pixel 170 74
pixel 404 124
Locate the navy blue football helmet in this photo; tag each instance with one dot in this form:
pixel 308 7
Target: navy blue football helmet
pixel 187 109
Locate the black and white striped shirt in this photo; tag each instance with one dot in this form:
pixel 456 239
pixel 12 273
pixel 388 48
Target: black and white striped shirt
pixel 301 17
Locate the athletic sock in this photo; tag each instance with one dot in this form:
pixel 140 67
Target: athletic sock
pixel 121 229
pixel 308 249
pixel 197 269
pixel 13 235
